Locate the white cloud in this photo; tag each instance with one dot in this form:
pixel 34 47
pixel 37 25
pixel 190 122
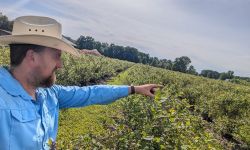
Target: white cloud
pixel 213 33
pixel 15 6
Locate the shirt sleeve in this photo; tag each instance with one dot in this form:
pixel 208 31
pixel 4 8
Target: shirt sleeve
pixel 75 96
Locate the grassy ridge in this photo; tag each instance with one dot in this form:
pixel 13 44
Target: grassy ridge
pixel 88 69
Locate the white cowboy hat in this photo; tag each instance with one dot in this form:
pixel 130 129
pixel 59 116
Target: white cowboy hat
pixel 38 30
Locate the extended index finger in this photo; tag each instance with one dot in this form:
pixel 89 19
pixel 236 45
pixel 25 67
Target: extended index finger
pixel 157 86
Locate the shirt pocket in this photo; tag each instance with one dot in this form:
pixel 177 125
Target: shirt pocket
pixel 24 115
pixel 25 129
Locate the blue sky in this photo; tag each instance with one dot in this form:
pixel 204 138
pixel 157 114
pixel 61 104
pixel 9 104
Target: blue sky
pixel 215 34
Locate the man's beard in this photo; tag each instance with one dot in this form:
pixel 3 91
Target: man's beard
pixel 45 82
pixel 48 82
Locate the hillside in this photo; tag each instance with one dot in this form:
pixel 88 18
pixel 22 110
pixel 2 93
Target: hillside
pixel 190 112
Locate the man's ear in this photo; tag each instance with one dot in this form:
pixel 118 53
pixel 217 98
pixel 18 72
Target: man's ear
pixel 30 56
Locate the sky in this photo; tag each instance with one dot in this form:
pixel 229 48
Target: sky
pixel 214 34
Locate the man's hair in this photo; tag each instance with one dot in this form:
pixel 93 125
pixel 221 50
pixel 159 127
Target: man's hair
pixel 18 52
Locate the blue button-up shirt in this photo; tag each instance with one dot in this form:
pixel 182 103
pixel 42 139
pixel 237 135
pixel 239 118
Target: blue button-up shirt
pixel 30 124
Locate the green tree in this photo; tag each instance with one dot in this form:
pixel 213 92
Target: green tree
pixel 230 74
pixel 85 42
pixel 192 70
pixel 181 64
pixel 210 74
pixel 223 76
pixel 5 24
pixel 226 75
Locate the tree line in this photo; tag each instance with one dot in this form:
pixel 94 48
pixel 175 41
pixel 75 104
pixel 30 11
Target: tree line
pixel 181 64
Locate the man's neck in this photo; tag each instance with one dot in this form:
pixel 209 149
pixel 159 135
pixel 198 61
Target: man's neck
pixel 23 77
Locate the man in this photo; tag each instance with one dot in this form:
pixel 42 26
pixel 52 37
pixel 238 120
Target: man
pixel 29 99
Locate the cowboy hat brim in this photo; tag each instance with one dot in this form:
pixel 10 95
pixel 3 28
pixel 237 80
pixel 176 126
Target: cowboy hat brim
pixel 47 41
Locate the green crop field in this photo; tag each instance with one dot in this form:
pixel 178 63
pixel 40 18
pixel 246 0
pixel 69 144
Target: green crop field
pixel 189 112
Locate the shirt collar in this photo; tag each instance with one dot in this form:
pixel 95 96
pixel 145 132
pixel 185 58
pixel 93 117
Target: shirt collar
pixel 11 85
